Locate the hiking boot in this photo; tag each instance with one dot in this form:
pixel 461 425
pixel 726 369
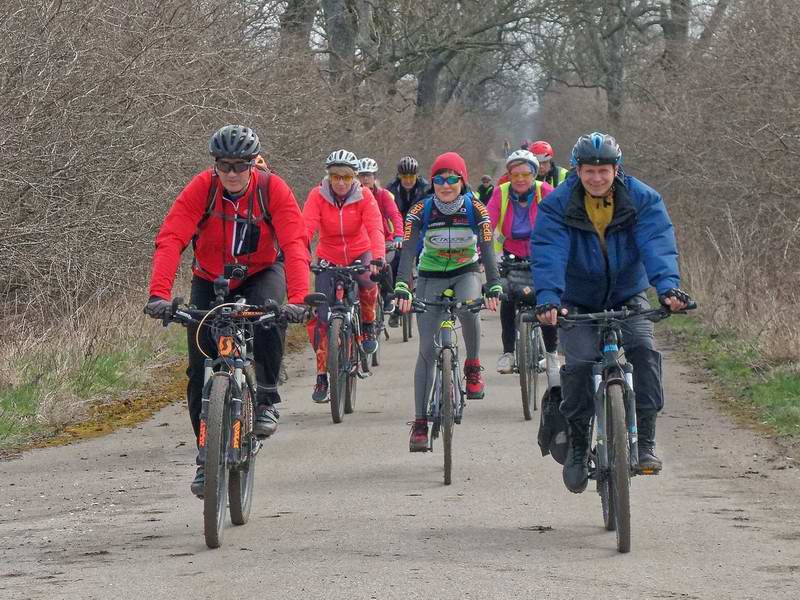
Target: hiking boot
pixel 505 364
pixel 472 373
pixel 199 481
pixel 320 395
pixel 369 343
pixel 266 420
pixel 576 468
pixel 419 436
pixel 648 461
pixel 394 319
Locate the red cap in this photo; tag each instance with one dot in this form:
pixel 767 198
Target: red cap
pixel 451 161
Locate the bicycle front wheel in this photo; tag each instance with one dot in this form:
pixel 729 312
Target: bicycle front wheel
pixel 537 357
pixel 338 368
pixel 241 479
pixel 407 319
pixel 216 468
pixel 448 399
pixel 524 365
pixel 619 465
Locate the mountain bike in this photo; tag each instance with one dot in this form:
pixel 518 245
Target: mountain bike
pixel 227 444
pixel 447 397
pixel 347 361
pixel 529 347
pixel 615 457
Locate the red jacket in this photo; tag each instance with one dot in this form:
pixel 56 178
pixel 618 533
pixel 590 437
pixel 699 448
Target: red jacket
pixel 348 232
pixel 392 221
pixel 215 239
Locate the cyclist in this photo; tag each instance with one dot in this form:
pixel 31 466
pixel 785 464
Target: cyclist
pixel 512 233
pixel 392 221
pixel 600 241
pixel 408 188
pixel 451 225
pixel 485 189
pixel 234 213
pixel 347 218
pixel 549 171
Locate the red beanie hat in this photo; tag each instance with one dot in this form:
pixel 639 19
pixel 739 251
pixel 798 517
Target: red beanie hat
pixel 451 161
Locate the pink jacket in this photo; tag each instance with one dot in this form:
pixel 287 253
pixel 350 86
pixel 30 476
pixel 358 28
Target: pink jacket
pixel 521 248
pixel 392 221
pixel 348 232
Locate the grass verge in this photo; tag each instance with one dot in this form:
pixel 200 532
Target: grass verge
pixel 770 393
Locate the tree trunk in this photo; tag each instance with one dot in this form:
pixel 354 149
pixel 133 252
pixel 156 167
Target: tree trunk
pixel 428 83
pixel 296 23
pixel 340 25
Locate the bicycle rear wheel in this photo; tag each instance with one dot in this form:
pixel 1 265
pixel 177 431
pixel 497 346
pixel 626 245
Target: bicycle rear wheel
pixel 338 369
pixel 241 479
pixel 619 463
pixel 524 364
pixel 447 404
pixel 352 377
pixel 216 468
pixel 376 356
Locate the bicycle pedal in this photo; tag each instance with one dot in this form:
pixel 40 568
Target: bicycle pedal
pixel 641 471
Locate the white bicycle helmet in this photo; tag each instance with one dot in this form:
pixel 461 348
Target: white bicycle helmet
pixel 520 156
pixel 342 158
pixel 367 165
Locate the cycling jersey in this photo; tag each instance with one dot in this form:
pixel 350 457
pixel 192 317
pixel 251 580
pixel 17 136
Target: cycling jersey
pixel 450 246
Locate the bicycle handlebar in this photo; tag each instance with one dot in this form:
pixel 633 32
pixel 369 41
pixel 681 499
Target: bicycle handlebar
pixel 651 314
pixel 357 269
pixel 262 315
pixel 420 306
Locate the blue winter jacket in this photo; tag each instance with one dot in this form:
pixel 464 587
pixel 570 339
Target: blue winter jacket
pixel 569 266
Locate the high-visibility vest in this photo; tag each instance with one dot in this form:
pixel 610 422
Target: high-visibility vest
pixel 499 238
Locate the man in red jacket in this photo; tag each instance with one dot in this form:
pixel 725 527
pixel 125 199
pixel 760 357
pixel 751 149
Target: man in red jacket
pixel 234 214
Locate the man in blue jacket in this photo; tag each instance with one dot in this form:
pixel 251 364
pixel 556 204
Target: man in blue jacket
pixel 600 240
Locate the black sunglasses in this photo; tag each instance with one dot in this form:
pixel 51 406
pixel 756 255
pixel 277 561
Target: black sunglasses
pixel 236 167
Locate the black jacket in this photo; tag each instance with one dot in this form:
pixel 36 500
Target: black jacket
pixel 404 198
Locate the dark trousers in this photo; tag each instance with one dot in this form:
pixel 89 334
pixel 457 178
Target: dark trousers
pixel 508 315
pixel 581 349
pixel 269 284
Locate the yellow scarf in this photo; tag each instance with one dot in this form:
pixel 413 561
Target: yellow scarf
pixel 600 212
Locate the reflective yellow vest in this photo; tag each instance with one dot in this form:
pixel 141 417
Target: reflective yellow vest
pixel 499 238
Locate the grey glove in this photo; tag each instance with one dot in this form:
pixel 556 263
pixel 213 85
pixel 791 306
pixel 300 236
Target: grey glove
pixel 158 308
pixel 295 313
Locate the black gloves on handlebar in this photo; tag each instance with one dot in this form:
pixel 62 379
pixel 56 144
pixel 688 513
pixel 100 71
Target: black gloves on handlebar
pixel 676 293
pixel 378 262
pixel 158 308
pixel 295 313
pixel 543 309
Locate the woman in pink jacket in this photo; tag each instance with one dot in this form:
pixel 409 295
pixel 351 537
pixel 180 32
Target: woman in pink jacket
pixel 350 227
pixel 512 212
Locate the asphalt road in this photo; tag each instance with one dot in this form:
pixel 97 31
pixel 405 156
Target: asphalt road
pixel 345 511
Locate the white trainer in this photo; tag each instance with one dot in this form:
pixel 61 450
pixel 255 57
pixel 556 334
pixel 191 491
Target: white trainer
pixel 505 364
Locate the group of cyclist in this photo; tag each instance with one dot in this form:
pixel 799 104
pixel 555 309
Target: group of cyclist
pixel 596 238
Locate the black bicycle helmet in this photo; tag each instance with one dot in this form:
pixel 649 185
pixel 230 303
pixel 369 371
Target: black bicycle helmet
pixel 408 165
pixel 234 141
pixel 596 149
